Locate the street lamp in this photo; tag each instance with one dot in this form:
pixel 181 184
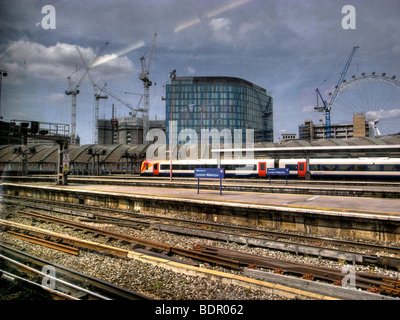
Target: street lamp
pixel 201 129
pixel 3 73
pixel 172 75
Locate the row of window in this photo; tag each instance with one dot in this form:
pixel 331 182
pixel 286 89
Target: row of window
pixel 355 167
pixel 202 166
pixel 238 89
pixel 349 167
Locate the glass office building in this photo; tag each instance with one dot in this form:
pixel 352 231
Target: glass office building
pixel 219 103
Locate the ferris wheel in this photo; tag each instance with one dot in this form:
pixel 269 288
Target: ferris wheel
pixel 377 97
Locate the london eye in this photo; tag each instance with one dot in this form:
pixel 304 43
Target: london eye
pixel 375 96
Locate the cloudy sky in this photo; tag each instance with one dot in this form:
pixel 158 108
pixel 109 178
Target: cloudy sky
pixel 289 47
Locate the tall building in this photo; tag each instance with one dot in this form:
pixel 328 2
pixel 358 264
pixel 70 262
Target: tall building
pixel 219 103
pixel 126 130
pixel 359 128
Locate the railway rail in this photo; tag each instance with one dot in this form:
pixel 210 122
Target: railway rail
pixel 64 283
pixel 217 256
pixel 366 281
pixel 134 241
pixel 250 236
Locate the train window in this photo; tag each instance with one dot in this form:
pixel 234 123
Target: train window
pixel 389 167
pixel 262 166
pixel 344 167
pixel 374 167
pixel 155 166
pixel 359 167
pixel 330 167
pixel 244 167
pixel 301 166
pixel 291 166
pixel 315 167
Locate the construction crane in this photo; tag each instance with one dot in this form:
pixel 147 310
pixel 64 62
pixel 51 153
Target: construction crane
pixel 327 107
pixel 144 76
pixel 97 97
pixel 134 110
pixel 74 91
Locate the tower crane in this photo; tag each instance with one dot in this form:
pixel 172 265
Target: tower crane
pixel 97 97
pixel 327 107
pixel 144 76
pixel 74 91
pixel 134 110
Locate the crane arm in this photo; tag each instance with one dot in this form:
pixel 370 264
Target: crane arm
pixel 91 65
pixel 116 98
pixel 343 74
pixel 152 53
pixel 85 65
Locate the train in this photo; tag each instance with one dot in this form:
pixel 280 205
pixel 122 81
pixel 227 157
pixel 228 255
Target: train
pixel 319 168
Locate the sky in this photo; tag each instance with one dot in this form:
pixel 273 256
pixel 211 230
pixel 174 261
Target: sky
pixel 288 47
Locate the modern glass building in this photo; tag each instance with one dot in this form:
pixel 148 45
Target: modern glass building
pixel 219 103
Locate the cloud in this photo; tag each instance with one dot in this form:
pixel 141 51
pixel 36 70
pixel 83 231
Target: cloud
pixel 57 98
pixel 221 29
pixel 382 114
pixel 307 109
pixel 57 62
pixel 396 50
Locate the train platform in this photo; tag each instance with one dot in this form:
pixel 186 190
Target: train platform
pixel 367 206
pixel 347 217
pixel 375 189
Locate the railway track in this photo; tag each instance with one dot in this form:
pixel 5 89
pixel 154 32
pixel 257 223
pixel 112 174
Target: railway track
pixel 366 281
pixel 234 260
pixel 135 242
pixel 58 281
pixel 299 244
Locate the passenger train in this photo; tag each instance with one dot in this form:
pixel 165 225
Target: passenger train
pixel 352 168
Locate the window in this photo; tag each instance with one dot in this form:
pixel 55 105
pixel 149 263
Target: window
pixel 291 166
pixel 344 167
pixel 301 166
pixel 359 167
pixel 262 166
pixel 315 167
pixel 389 167
pixel 330 167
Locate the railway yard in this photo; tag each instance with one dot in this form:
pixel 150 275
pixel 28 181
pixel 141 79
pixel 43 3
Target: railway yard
pixel 103 229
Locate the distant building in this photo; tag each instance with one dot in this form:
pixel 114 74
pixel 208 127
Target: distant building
pixel 359 128
pixel 126 130
pixel 27 132
pixel 288 137
pixel 219 103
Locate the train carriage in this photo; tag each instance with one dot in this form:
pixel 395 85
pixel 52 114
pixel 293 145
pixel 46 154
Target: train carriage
pixel 359 168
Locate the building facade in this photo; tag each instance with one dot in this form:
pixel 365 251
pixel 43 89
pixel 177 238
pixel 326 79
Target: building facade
pixel 126 130
pixel 219 103
pixel 359 128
